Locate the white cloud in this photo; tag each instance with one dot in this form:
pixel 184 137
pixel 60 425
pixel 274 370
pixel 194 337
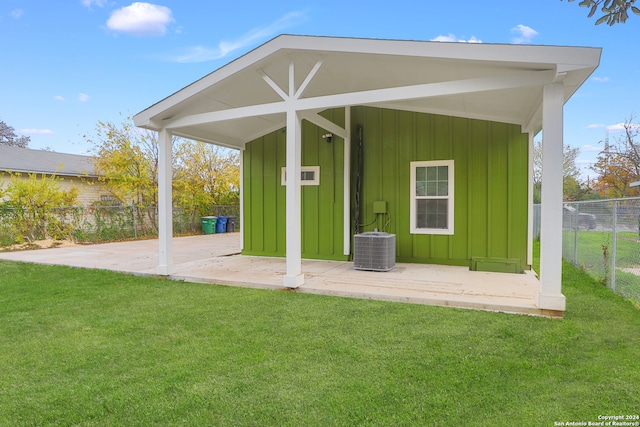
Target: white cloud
pixel 523 34
pixel 90 3
pixel 595 126
pixel 141 19
pixel 452 38
pixel 224 48
pixel 36 131
pixel 83 97
pixel 590 148
pixel 600 79
pixel 620 127
pixel 59 98
pixel 17 13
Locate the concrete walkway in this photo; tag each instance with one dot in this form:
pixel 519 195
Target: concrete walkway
pixel 215 259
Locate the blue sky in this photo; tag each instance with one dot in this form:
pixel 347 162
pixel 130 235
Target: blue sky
pixel 67 64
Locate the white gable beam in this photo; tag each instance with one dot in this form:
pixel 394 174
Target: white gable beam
pixel 427 90
pixel 235 144
pixel 518 79
pixel 210 136
pixel 229 114
pixel 485 115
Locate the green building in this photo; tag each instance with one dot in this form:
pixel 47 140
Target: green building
pixel 428 141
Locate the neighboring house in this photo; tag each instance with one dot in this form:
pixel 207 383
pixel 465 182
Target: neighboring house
pixel 73 169
pixel 429 141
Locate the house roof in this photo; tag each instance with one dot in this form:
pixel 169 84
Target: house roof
pixel 24 160
pixel 249 97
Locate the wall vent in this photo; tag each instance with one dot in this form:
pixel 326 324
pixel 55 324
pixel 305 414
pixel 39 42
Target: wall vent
pixel 309 175
pixel 375 251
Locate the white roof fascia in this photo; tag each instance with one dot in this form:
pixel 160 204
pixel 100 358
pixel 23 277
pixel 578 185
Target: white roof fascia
pixel 581 56
pixel 145 118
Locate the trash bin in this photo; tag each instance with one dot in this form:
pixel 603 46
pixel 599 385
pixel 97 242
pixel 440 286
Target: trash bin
pixel 208 224
pixel 231 224
pixel 221 225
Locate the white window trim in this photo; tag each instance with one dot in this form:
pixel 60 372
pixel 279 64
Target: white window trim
pixel 450 197
pixel 303 169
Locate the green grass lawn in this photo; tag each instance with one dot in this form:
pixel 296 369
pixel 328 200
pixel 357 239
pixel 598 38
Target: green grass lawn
pixel 93 348
pixel 590 250
pixel 591 258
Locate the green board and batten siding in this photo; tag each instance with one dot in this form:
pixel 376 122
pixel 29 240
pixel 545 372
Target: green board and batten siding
pixel 491 202
pixel 322 206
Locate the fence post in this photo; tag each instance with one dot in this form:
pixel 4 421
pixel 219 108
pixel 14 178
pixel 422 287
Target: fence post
pixel 135 224
pixel 575 235
pixel 614 245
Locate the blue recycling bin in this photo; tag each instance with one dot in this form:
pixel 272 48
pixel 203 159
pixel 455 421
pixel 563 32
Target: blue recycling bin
pixel 221 224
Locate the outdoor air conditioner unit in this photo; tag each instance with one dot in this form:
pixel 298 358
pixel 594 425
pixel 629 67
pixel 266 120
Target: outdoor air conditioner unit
pixel 374 251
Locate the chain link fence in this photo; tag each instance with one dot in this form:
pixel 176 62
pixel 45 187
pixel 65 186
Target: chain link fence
pixel 96 224
pixel 602 237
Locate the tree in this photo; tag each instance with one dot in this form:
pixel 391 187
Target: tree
pixel 618 164
pixel 34 202
pixel 573 187
pixel 8 136
pixel 127 160
pixel 206 175
pixel 613 11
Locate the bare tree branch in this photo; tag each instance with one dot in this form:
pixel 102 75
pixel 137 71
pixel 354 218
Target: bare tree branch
pixel 8 136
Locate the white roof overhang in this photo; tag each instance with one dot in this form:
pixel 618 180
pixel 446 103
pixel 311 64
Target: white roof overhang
pixel 249 97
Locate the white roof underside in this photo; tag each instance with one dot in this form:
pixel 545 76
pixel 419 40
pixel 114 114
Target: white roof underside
pixel 502 83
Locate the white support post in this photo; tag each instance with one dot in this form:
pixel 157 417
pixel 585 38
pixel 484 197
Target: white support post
pixel 550 296
pixel 530 201
pixel 293 277
pixel 241 213
pixel 165 205
pixel 346 250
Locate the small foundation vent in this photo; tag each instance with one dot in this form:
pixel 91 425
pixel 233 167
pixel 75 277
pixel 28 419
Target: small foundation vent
pixel 375 251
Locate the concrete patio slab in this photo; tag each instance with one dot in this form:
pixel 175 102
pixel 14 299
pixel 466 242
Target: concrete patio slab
pixel 216 259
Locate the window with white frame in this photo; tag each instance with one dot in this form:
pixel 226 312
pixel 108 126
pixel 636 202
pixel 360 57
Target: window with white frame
pixel 309 175
pixel 432 197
